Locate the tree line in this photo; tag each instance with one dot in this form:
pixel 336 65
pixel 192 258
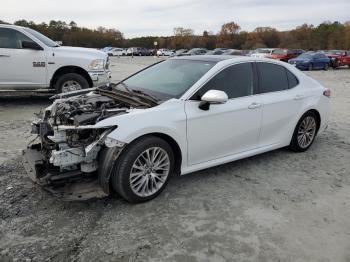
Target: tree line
pixel 327 35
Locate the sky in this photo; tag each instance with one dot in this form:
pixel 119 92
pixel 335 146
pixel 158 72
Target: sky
pixel 159 17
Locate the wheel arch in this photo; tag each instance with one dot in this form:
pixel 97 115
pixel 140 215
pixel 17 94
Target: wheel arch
pixel 318 117
pixel 174 146
pixel 110 155
pixel 70 69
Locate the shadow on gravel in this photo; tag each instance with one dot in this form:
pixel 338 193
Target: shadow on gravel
pixel 24 100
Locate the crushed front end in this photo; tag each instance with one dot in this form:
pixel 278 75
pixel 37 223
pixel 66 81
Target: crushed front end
pixel 66 159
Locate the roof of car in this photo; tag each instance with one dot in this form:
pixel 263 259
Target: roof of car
pixel 208 58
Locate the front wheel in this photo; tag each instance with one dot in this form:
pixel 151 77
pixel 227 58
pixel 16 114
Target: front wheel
pixel 304 133
pixel 143 170
pixel 70 82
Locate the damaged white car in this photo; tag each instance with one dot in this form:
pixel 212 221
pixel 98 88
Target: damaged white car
pixel 174 117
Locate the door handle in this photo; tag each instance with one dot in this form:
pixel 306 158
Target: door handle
pixel 298 97
pixel 254 105
pixel 4 56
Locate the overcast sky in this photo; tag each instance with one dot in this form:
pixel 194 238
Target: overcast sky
pixel 159 17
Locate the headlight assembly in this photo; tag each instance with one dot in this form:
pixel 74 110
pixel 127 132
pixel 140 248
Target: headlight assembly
pixel 97 64
pixel 111 142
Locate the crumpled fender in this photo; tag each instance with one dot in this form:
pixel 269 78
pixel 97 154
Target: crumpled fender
pixel 107 160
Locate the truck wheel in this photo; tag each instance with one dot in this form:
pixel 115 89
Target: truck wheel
pixel 335 64
pixel 70 82
pixel 143 169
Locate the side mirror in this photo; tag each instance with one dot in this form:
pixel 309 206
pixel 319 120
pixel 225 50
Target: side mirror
pixel 31 45
pixel 212 97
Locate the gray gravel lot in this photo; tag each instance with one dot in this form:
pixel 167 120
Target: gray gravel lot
pixel 278 206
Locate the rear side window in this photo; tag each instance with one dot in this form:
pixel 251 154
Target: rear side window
pixel 292 80
pixel 272 77
pixel 236 81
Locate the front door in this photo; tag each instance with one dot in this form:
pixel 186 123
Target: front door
pixel 20 68
pixel 224 129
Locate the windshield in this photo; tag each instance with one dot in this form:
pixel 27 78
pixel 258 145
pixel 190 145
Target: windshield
pixel 45 40
pixel 279 52
pixel 168 79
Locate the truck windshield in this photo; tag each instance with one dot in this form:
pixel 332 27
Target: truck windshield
pixel 45 40
pixel 168 79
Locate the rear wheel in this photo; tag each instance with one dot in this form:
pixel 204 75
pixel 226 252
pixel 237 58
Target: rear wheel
pixel 304 133
pixel 326 66
pixel 335 64
pixel 143 169
pixel 70 82
pixel 311 67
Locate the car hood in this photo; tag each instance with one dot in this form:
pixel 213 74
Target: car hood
pixel 86 108
pixel 275 56
pixel 97 54
pixel 332 56
pixel 300 60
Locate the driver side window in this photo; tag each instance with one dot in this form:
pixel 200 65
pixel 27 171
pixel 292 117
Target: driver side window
pixel 12 39
pixel 236 81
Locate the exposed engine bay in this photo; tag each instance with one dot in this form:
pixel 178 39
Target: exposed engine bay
pixel 70 142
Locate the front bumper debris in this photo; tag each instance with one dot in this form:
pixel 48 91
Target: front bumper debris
pixel 69 186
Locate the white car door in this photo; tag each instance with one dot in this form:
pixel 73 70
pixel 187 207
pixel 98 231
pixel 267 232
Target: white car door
pixel 20 67
pixel 282 100
pixel 229 128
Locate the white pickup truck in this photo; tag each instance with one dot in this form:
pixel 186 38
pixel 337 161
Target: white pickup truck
pixel 29 61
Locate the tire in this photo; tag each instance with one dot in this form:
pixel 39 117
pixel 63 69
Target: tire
pixel 296 143
pixel 62 84
pixel 129 182
pixel 311 67
pixel 326 67
pixel 140 54
pixel 335 64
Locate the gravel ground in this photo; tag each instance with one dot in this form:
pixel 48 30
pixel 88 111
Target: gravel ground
pixel 278 206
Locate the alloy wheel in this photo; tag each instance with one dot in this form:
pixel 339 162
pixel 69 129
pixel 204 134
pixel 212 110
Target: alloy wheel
pixel 149 171
pixel 306 132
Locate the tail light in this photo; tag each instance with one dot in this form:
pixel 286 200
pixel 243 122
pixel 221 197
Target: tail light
pixel 327 93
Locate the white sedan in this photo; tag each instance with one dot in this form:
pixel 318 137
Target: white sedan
pixel 165 52
pixel 117 52
pixel 176 117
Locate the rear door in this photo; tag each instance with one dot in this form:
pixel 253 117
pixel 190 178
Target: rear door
pixel 224 129
pixel 20 68
pixel 282 100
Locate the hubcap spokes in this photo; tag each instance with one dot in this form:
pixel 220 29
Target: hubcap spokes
pixel 70 86
pixel 149 171
pixel 306 132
